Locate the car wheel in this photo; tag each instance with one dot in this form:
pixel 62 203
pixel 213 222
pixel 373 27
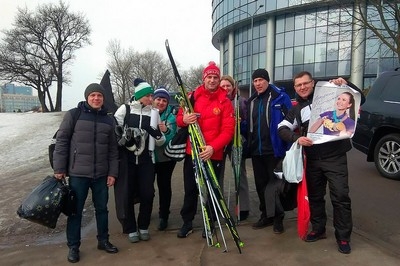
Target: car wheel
pixel 387 156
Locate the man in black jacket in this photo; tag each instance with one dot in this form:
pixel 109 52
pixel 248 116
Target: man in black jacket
pixel 88 154
pixel 326 163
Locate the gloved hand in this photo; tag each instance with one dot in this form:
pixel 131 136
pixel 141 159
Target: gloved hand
pixel 119 132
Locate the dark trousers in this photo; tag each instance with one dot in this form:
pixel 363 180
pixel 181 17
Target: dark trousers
pixel 164 172
pixel 99 189
pixel 332 171
pixel 263 168
pixel 190 200
pixel 141 183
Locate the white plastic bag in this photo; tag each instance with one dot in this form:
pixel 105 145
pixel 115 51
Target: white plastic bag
pixel 292 165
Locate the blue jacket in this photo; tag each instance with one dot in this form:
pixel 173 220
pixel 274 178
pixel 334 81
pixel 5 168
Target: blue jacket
pixel 265 112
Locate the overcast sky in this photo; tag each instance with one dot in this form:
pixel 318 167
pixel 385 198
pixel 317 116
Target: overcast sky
pixel 142 25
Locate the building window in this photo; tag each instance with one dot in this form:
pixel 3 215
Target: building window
pixel 279 58
pixel 298 55
pixel 309 52
pixel 299 37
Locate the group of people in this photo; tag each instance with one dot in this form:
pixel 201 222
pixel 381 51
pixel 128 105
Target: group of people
pixel 126 151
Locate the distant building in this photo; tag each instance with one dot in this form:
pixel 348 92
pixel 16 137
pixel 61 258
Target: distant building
pixel 15 98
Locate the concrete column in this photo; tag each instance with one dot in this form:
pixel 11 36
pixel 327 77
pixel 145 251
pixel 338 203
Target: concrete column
pixel 221 53
pixel 270 49
pixel 358 51
pixel 231 53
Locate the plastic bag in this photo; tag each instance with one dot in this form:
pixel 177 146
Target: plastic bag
pixel 292 165
pixel 68 205
pixel 43 205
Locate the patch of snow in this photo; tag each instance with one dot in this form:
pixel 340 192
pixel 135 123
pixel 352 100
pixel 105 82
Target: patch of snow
pixel 24 139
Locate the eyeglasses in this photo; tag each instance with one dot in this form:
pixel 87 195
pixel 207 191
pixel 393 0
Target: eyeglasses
pixel 303 84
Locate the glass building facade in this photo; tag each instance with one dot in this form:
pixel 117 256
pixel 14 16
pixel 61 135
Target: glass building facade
pixel 289 36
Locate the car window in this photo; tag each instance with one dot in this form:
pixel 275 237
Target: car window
pixel 391 92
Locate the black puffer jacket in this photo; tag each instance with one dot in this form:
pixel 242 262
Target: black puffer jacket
pixel 90 150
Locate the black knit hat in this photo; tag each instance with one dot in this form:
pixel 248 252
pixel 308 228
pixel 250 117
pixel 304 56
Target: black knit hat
pixel 260 73
pixel 94 87
pixel 137 81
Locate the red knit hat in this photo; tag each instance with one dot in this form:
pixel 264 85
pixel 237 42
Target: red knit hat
pixel 211 69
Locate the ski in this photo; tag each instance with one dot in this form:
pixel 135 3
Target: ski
pixel 206 167
pixel 236 155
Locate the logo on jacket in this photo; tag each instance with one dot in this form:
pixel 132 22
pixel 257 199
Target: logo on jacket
pixel 216 111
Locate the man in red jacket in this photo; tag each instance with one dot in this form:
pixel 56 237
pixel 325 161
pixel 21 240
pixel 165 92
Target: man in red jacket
pixel 214 113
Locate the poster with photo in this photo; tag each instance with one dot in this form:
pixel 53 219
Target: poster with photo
pixel 334 112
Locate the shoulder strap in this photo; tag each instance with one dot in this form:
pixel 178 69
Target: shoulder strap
pixel 75 113
pixel 192 98
pixel 128 111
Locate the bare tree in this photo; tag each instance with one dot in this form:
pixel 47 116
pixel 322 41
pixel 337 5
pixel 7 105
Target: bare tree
pixel 121 66
pixel 193 77
pixel 126 65
pixel 154 68
pixel 380 19
pixel 44 41
pixel 19 62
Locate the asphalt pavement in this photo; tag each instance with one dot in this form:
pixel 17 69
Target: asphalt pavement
pixel 261 247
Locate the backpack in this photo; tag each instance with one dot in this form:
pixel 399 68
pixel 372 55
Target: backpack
pixel 75 113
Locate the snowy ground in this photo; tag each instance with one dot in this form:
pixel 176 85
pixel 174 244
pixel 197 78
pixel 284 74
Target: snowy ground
pixel 24 140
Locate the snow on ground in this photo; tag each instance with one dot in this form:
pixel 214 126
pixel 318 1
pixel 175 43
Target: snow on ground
pixel 24 139
pixel 24 163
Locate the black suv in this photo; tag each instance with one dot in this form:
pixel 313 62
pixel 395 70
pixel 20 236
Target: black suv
pixel 378 127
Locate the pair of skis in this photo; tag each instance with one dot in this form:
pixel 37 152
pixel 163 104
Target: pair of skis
pixel 236 155
pixel 205 176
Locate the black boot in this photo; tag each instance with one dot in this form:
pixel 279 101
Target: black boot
pixel 107 246
pixel 73 255
pixel 186 229
pixel 163 224
pixel 278 224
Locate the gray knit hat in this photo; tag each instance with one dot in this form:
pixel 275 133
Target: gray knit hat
pixel 94 87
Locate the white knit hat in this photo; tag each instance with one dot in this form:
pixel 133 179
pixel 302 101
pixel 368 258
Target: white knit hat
pixel 143 89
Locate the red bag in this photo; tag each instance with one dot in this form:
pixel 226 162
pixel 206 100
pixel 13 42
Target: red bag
pixel 303 206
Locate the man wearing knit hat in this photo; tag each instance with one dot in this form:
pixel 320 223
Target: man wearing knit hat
pixel 94 87
pixel 136 162
pixel 260 73
pixel 266 109
pixel 213 112
pixel 88 152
